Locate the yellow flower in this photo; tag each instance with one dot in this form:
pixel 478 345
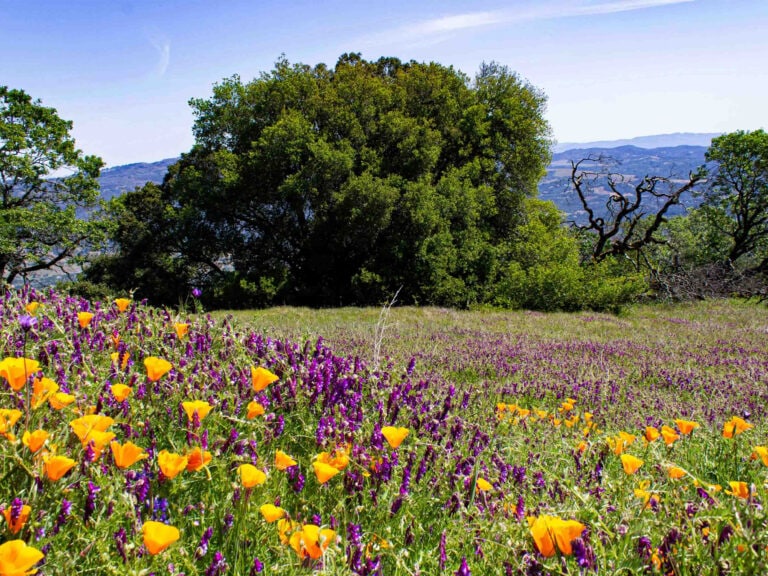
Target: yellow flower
pixel 311 541
pixel 675 472
pixel 122 304
pixel 83 426
pixel 324 472
pixel 338 458
pixel 760 452
pixel 483 485
pixel 630 463
pixel 156 368
pixel 551 531
pixel 686 426
pixel 60 400
pixel 158 536
pixel 251 476
pixel 8 419
pixel 84 319
pixel 261 378
pixel 171 465
pixel 16 526
pixel 739 489
pixel 736 426
pixel 42 390
pixel 254 409
pixel 197 459
pixel 271 513
pixel 120 391
pixel 35 440
pixel 651 434
pixel 17 371
pixel 669 435
pixel 17 559
pixel 394 436
pixel 126 455
pixel 283 461
pixel 181 330
pixel 120 359
pixel 201 407
pixel 98 441
pixel 57 466
pixel 32 307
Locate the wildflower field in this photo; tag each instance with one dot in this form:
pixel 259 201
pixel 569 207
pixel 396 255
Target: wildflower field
pixel 406 441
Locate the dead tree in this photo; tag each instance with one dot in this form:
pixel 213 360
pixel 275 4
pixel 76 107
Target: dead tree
pixel 634 211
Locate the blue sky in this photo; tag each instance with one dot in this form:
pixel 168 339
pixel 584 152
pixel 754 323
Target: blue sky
pixel 123 71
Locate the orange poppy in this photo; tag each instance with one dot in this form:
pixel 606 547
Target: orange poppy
pixel 324 472
pixel 35 440
pixel 735 426
pixel 57 466
pixel 251 476
pixel 482 485
pixel 760 452
pixel 686 426
pixel 394 436
pixel 83 426
pixel 158 536
pixel 551 533
pixel 201 407
pixel 338 458
pixel 60 400
pixel 739 489
pixel 18 559
pixel 651 434
pixel 181 330
pixel 8 419
pixel 171 464
pixel 126 455
pixel 197 459
pixel 311 541
pixel 254 409
pixel 156 368
pixel 669 435
pixel 18 524
pixel 17 371
pixel 32 307
pixel 283 461
pixel 120 391
pixel 271 513
pixel 261 378
pixel 675 472
pixel 630 463
pixel 84 319
pixel 122 304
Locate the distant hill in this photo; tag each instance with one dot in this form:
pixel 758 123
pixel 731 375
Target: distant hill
pixel 655 141
pixel 635 161
pixel 114 181
pixel 674 162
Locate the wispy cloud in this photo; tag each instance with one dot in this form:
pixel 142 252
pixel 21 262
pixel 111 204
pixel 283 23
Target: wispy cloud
pixel 440 29
pixel 163 48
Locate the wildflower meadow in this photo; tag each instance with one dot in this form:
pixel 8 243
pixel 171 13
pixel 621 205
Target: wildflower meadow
pixel 138 440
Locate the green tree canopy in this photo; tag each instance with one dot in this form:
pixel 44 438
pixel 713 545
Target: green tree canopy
pixel 42 222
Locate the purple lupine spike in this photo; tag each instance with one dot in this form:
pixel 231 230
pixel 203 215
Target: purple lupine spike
pixel 463 568
pixel 443 553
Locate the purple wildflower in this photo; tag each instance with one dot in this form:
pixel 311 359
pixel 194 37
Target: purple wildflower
pixel 464 568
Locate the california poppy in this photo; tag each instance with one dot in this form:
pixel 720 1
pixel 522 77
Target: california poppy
pixel 250 476
pixel 16 525
pixel 739 489
pixel 669 435
pixel 630 463
pixel 394 436
pixel 254 409
pixel 18 559
pixel 32 307
pixel 98 441
pixel 271 513
pixel 120 391
pixel 197 458
pixel 651 434
pixel 126 455
pixel 84 319
pixel 156 368
pixel 337 458
pixel 550 531
pixel 158 536
pixel 261 378
pixel 181 330
pixel 171 464
pixel 8 419
pixel 311 541
pixel 735 426
pixel 17 371
pixel 60 400
pixel 42 390
pixel 122 304
pixel 283 461
pixel 34 440
pixel 324 472
pixel 483 485
pixel 760 452
pixel 84 425
pixel 675 472
pixel 201 407
pixel 57 466
pixel 686 426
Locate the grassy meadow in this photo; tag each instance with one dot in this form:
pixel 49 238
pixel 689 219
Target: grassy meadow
pixel 363 441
